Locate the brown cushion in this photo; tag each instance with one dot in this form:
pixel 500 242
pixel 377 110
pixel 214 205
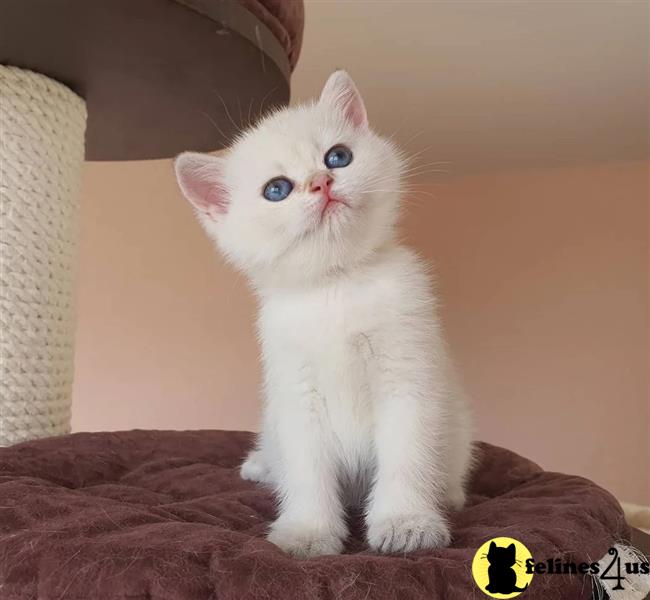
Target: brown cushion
pixel 162 515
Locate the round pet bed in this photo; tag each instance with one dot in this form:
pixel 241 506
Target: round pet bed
pixel 165 516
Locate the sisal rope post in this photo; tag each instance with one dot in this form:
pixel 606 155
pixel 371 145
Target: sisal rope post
pixel 42 126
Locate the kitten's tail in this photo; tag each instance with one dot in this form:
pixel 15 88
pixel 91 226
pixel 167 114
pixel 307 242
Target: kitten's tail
pixel 523 589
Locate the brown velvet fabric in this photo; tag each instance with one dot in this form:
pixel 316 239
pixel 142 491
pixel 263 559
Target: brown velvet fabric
pixel 161 515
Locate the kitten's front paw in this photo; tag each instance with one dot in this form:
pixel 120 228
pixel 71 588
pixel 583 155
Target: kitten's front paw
pixel 408 532
pixel 303 540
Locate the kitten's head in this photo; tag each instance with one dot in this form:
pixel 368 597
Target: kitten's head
pixel 309 191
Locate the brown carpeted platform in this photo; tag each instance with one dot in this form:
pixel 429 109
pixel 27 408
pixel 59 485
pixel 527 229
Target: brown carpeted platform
pixel 162 515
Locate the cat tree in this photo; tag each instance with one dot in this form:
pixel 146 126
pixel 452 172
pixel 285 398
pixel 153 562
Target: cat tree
pixel 157 77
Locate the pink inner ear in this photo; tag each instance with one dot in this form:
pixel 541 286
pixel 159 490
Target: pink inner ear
pixel 353 108
pixel 216 197
pixel 212 197
pixel 199 177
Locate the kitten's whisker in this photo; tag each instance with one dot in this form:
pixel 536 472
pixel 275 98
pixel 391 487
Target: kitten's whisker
pixel 248 119
pixel 416 193
pixel 424 166
pixel 416 135
pixel 417 174
pixel 409 158
pixel 226 139
pixel 436 162
pixel 408 172
pixel 264 99
pixel 227 111
pixel 241 117
pixel 416 169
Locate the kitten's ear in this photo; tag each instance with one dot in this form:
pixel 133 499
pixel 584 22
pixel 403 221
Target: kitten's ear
pixel 341 94
pixel 512 548
pixel 200 177
pixel 493 546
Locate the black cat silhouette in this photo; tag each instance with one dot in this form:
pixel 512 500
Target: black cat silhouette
pixel 503 579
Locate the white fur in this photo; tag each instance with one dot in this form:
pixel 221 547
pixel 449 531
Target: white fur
pixel 361 399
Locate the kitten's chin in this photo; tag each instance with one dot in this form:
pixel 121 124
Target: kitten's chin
pixel 333 212
pixel 316 264
pixel 340 237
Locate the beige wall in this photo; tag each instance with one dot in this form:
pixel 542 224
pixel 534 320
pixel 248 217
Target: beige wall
pixel 544 283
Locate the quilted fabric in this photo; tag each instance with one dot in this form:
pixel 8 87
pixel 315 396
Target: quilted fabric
pixel 161 515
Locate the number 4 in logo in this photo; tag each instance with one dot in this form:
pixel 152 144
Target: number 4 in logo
pixel 617 577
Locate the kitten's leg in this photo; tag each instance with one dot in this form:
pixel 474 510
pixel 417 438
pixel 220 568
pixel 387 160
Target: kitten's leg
pixel 311 520
pixel 460 462
pixel 460 456
pixel 456 496
pixel 404 512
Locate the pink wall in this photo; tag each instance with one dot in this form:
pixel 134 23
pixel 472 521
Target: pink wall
pixel 544 282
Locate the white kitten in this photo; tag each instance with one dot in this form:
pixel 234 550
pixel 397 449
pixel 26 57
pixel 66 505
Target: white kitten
pixel 361 401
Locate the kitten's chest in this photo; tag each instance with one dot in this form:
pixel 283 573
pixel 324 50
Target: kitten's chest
pixel 322 349
pixel 330 335
pixel 334 326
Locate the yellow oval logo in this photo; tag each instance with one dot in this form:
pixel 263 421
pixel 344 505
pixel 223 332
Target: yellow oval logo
pixel 499 568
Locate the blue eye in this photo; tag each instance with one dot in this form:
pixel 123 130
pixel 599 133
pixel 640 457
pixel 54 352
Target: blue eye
pixel 277 189
pixel 338 156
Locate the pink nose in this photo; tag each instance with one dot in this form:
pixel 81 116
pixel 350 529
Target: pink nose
pixel 321 183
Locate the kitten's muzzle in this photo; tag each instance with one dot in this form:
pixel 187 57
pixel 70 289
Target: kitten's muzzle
pixel 321 184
